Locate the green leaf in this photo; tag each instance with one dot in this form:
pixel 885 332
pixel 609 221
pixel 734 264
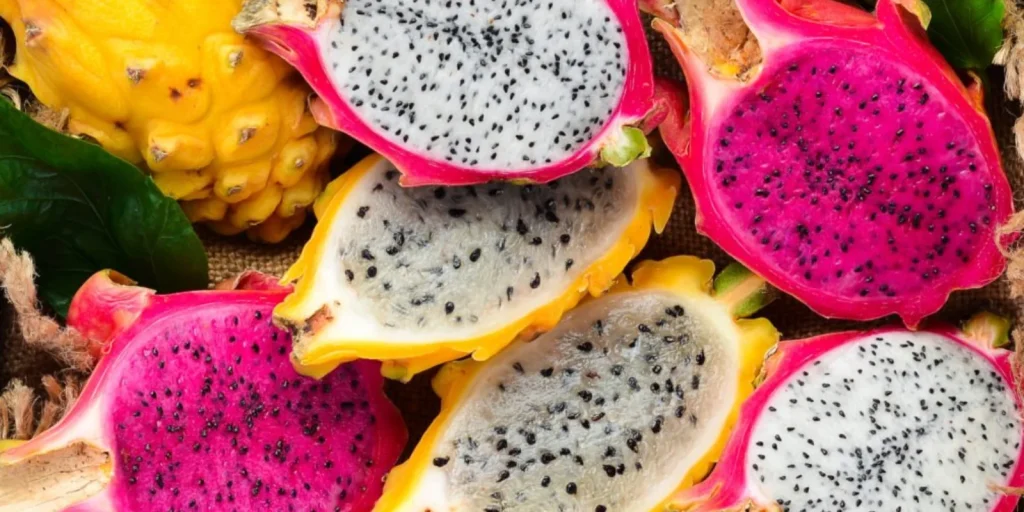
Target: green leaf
pixel 967 32
pixel 77 210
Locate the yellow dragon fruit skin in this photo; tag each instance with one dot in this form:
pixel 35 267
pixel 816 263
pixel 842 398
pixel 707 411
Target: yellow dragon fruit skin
pixel 222 124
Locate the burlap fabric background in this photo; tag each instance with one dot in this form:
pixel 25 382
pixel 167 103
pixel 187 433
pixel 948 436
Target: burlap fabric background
pixel 230 256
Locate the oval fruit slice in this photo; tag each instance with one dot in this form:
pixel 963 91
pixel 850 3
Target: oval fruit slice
pixel 882 420
pixel 626 401
pixel 421 276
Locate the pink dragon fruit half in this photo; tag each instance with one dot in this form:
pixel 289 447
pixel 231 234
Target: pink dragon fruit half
pixel 851 167
pixel 194 405
pixel 459 93
pixel 882 420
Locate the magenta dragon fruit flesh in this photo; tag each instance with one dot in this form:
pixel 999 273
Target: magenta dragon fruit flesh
pixel 469 91
pixel 882 420
pixel 195 406
pixel 852 169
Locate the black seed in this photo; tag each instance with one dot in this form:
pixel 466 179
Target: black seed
pixel 631 444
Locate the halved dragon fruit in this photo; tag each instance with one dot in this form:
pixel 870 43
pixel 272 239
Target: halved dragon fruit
pixel 851 168
pixel 882 420
pixel 627 400
pixel 466 92
pixel 195 406
pixel 420 276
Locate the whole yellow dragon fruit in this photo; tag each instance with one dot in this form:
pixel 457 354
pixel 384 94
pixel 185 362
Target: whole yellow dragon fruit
pixel 222 125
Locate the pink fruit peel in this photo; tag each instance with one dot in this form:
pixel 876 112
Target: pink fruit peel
pixel 305 42
pixel 853 170
pixel 195 403
pixel 744 477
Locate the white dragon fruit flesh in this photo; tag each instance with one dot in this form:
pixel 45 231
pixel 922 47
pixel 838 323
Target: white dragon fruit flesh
pixel 462 92
pixel 882 420
pixel 420 276
pixel 627 400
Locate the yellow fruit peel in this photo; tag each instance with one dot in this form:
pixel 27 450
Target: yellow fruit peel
pixel 171 87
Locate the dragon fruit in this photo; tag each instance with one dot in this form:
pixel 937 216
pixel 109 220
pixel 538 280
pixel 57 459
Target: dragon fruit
pixel 221 124
pixel 627 400
pixel 420 276
pixel 851 167
pixel 194 405
pixel 882 420
pixel 463 93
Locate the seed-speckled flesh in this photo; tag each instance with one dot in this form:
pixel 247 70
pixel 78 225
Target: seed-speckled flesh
pixel 416 257
pixel 903 420
pixel 209 414
pixel 895 193
pixel 598 414
pixel 486 83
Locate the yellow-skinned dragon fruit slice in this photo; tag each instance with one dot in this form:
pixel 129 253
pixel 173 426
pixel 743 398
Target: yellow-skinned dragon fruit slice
pixel 466 92
pixel 888 419
pixel 626 401
pixel 421 276
pixel 195 405
pixel 851 167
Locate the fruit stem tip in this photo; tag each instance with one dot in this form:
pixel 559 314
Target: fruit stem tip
pixel 988 330
pixel 302 13
pixel 742 291
pixel 629 144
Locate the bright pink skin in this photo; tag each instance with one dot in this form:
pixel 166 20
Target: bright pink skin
pixel 729 486
pixel 299 47
pixel 802 215
pixel 101 312
pixel 271 432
